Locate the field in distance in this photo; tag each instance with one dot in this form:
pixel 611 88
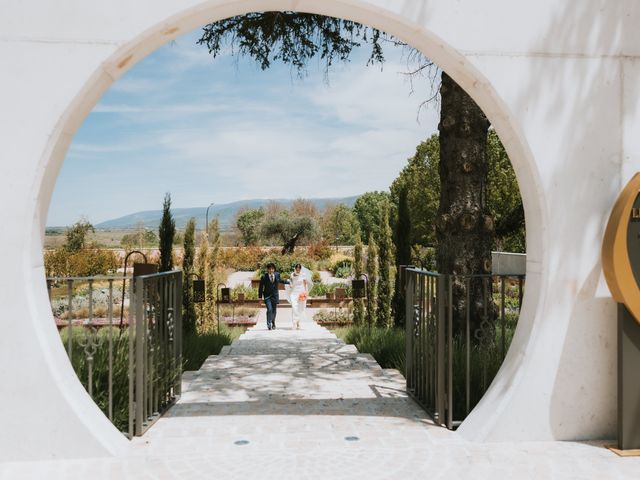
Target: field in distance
pixel 104 238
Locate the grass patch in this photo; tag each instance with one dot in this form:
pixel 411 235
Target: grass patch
pixel 386 345
pixel 100 368
pixel 485 359
pixel 196 347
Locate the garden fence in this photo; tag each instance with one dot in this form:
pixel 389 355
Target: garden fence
pixel 458 331
pixel 132 369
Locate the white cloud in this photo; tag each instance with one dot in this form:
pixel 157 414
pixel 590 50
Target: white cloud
pixel 91 148
pixel 166 109
pixel 376 98
pixel 241 157
pixel 232 137
pixel 187 55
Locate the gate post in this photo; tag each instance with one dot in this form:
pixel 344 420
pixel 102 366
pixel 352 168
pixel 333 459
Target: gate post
pixel 409 320
pixel 177 343
pixel 140 334
pixel 440 349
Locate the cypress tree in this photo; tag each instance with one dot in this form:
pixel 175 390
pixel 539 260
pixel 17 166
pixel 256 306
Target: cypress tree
pixel 358 303
pixel 202 267
pixel 188 257
pixel 212 276
pixel 372 273
pixel 403 255
pixel 166 232
pixel 385 254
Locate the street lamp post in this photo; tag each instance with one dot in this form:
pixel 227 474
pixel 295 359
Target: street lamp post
pixel 206 221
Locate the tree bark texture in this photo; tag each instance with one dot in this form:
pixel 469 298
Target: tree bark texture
pixel 464 227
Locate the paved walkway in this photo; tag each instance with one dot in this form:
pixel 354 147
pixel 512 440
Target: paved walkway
pixel 244 278
pixel 300 404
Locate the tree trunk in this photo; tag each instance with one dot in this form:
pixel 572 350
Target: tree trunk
pixel 289 244
pixel 464 227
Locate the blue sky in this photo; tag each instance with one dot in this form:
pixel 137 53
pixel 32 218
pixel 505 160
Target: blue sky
pixel 223 130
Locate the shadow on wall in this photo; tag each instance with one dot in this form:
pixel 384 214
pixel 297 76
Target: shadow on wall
pixel 592 330
pixel 588 88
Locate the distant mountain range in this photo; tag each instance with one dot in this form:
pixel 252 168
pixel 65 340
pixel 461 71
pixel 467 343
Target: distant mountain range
pixel 225 212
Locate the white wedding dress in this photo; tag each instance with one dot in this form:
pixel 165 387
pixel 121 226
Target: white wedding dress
pixel 299 285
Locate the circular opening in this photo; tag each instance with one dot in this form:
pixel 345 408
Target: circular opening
pixel 478 88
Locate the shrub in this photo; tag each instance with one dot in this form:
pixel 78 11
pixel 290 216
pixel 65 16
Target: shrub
pixel 334 317
pixel 319 250
pixel 250 293
pixel 82 263
pixel 342 266
pixel 315 277
pixel 242 258
pixel 318 290
pixel 321 289
pixel 386 345
pixel 238 311
pixel 139 239
pixel 343 272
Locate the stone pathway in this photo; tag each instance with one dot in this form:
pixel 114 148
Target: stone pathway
pixel 300 404
pixel 244 278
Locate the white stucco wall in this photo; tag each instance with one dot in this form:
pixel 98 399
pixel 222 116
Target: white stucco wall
pixel 558 80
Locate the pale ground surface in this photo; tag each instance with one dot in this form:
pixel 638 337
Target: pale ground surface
pixel 244 278
pixel 296 397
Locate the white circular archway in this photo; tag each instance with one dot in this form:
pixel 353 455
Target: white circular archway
pixel 533 395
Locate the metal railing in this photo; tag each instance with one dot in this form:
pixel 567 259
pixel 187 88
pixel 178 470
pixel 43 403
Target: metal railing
pixel 155 347
pixel 85 306
pixel 458 331
pixel 134 373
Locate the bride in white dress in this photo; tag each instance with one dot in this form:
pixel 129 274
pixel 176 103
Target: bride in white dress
pixel 300 282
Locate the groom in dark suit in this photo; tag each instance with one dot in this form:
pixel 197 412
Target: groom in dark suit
pixel 269 291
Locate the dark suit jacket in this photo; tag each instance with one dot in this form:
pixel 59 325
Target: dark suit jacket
pixel 268 289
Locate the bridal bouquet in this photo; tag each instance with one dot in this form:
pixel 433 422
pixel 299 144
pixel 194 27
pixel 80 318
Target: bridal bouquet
pixel 303 296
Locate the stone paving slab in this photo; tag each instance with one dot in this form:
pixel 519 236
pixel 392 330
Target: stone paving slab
pixel 298 404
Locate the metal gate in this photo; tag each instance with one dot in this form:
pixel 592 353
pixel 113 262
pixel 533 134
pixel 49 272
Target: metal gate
pixel 450 364
pixel 133 369
pixel 155 347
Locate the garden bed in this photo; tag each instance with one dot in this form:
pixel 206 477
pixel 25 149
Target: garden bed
pixel 95 322
pixel 239 321
pixel 334 318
